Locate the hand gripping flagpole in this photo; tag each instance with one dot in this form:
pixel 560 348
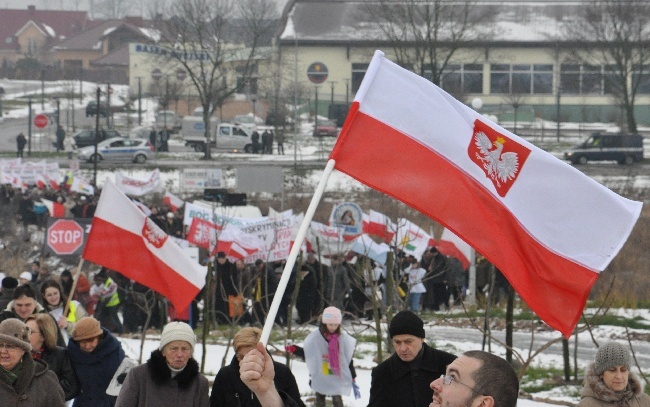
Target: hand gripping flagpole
pixel 291 261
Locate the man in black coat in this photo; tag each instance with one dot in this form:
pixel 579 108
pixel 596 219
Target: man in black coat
pixel 404 378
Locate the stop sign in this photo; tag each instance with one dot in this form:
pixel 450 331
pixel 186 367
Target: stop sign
pixel 65 236
pixel 40 121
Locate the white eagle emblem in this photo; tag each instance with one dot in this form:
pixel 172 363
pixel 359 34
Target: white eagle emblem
pixel 500 167
pixel 153 234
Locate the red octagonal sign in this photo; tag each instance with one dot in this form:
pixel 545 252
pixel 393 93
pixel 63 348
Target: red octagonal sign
pixel 65 236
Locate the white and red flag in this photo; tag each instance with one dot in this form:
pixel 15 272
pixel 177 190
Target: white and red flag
pixel 55 209
pixel 452 245
pixel 173 201
pixel 378 224
pixel 549 228
pixel 236 243
pixel 124 239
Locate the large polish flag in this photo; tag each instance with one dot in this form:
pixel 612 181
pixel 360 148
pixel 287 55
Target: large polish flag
pixel 378 224
pixel 549 228
pixel 124 239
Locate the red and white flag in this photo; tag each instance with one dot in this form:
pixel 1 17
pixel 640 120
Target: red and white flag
pixel 202 233
pixel 237 243
pixel 378 224
pixel 549 228
pixel 452 245
pixel 124 239
pixel 55 209
pixel 173 201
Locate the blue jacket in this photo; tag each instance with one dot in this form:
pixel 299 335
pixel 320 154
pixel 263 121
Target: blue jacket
pixel 95 370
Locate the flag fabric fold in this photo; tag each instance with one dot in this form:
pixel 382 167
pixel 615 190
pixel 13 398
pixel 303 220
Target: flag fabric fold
pixel 549 228
pixel 173 201
pixel 124 239
pixel 55 209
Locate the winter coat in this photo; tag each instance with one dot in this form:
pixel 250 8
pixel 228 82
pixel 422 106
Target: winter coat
pixel 228 389
pixel 95 370
pixel 396 383
pixel 152 384
pixel 6 296
pixel 596 394
pixel 37 386
pixel 58 361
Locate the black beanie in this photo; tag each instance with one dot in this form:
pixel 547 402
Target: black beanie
pixel 9 283
pixel 406 323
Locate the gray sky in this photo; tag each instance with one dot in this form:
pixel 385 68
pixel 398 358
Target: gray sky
pixel 140 7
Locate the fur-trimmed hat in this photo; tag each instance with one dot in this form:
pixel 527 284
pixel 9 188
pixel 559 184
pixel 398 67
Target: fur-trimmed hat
pixel 86 328
pixel 609 355
pixel 332 315
pixel 177 331
pixel 13 331
pixel 406 323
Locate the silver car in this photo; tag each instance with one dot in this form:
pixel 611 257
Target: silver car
pixel 119 149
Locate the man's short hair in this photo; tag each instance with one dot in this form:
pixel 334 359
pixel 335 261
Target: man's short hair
pixel 495 378
pixel 24 291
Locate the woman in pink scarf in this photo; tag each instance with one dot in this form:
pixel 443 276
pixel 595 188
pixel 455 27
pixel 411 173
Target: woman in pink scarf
pixel 328 353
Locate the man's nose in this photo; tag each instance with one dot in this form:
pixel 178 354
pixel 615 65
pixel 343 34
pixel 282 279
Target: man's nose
pixel 436 385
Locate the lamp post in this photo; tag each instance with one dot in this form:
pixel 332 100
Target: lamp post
pixel 139 100
pixel 254 100
pixel 29 128
pixel 42 89
pixel 97 98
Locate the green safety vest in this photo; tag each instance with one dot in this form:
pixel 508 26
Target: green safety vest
pixel 115 299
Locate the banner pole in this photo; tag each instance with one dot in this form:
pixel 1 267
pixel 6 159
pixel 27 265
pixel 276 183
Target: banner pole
pixel 75 278
pixel 300 237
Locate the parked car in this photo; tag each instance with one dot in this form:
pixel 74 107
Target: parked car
pixel 326 128
pixel 118 149
pixel 91 109
pixel 87 137
pixel 622 148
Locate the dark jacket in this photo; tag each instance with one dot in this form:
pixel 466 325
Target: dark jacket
pixel 58 361
pixel 151 384
pixel 95 370
pixel 396 383
pixel 229 391
pixel 36 386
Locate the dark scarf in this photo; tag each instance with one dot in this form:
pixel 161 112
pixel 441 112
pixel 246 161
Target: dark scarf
pixel 161 373
pixel 11 376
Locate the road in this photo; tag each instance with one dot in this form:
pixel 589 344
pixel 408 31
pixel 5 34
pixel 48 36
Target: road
pixel 467 337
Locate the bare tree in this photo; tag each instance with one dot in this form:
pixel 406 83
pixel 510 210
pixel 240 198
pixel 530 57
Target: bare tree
pixel 616 33
pixel 425 35
pixel 202 39
pixel 114 8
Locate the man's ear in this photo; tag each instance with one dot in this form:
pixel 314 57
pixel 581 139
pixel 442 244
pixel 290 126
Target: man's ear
pixel 486 401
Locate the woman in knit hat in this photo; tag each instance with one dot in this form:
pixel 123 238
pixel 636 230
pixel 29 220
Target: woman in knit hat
pixel 228 388
pixel 170 377
pixel 328 353
pixel 21 377
pixel 42 337
pixel 609 382
pixel 95 355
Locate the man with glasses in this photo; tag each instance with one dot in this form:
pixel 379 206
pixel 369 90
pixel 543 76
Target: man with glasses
pixel 475 379
pixel 404 378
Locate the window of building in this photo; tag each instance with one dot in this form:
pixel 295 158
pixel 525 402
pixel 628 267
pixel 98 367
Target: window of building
pixel 32 46
pixel 521 79
pixel 462 78
pixel 358 72
pixel 641 77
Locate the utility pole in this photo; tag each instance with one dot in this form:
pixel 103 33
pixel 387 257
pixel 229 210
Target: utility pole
pixel 42 89
pixel 108 105
pixel 139 100
pixel 29 128
pixel 99 92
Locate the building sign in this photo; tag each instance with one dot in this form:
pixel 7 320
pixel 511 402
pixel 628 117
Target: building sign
pixel 197 179
pixel 317 72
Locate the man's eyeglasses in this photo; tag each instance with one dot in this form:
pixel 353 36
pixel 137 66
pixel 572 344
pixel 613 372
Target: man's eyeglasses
pixel 447 379
pixel 7 346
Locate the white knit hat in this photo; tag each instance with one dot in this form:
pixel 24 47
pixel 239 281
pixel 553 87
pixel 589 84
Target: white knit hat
pixel 26 275
pixel 177 331
pixel 609 355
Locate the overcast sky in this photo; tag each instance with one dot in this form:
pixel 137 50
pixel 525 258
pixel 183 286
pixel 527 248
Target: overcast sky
pixel 140 7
